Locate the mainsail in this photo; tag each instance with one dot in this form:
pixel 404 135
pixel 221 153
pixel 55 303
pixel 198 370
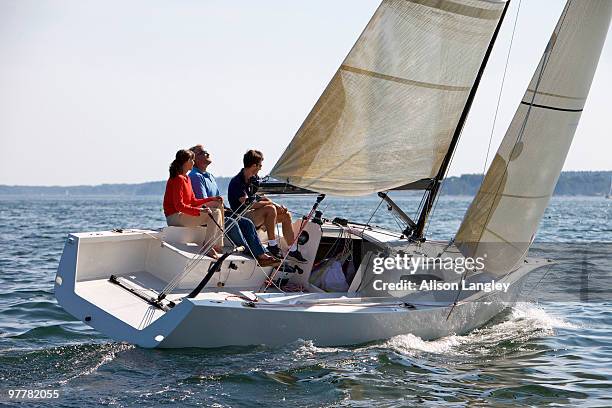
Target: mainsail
pixel 503 218
pixel 388 115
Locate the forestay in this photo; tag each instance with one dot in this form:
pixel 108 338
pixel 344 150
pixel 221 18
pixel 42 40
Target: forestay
pixel 387 117
pixel 503 218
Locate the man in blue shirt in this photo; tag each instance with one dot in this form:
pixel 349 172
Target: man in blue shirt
pixel 263 211
pixel 202 182
pixel 204 185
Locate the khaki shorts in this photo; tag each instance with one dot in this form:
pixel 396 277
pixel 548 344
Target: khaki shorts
pixel 213 233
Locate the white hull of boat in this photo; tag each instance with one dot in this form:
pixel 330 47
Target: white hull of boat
pixel 215 325
pixel 224 316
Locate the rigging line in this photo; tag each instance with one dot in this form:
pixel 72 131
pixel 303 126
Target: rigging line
pixel 325 208
pixel 303 224
pixel 234 222
pixel 547 53
pixel 200 256
pixel 546 58
pixel 489 147
pixel 501 89
pixel 371 216
pixel 257 266
pixel 454 151
pixel 397 221
pixel 437 198
pixel 420 207
pixel 541 279
pixel 446 161
pixel 333 246
pixel 189 267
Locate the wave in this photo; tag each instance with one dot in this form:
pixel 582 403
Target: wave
pixel 59 331
pixel 523 322
pixel 106 354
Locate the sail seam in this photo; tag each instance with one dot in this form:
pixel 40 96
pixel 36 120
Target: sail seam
pixel 461 9
pixel 498 236
pixel 577 98
pixel 550 107
pixel 403 80
pixel 516 195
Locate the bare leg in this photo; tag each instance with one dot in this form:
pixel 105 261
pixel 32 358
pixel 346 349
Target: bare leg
pixel 266 216
pixel 285 220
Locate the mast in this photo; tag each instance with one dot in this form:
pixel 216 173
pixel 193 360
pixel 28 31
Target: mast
pixel 436 182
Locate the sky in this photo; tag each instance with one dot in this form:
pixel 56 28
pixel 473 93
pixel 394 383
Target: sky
pixel 98 92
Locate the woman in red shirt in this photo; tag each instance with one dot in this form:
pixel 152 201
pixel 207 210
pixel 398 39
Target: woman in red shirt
pixel 183 209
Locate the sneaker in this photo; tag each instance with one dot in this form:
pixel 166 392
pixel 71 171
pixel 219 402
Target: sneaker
pixel 267 260
pixel 296 256
pixel 275 251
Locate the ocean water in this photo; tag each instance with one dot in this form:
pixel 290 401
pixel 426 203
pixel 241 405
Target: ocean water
pixel 554 349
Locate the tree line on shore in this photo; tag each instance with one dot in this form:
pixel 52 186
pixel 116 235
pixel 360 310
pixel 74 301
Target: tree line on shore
pixel 571 183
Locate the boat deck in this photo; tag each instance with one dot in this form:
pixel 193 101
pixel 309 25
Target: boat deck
pixel 137 312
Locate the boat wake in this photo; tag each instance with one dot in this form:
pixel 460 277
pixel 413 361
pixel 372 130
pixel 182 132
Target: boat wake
pixel 506 332
pixel 105 354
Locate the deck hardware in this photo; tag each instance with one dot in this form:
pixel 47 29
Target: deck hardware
pixel 212 269
pixel 303 238
pixel 154 301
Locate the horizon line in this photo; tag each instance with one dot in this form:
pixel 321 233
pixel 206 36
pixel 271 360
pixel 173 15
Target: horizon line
pixel 227 177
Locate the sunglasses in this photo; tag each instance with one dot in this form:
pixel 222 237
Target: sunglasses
pixel 205 153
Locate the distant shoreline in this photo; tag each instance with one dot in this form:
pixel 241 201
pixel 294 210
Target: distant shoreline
pixel 571 183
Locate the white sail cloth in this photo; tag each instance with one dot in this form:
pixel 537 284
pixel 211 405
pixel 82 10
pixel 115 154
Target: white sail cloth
pixel 503 218
pixel 388 115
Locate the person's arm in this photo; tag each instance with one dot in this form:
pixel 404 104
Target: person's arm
pixel 264 198
pixel 194 188
pixel 254 205
pixel 199 190
pixel 199 201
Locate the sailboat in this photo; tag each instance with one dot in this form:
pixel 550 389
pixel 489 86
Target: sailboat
pixel 390 119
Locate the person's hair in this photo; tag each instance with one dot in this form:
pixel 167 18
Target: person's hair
pixel 176 167
pixel 197 149
pixel 252 157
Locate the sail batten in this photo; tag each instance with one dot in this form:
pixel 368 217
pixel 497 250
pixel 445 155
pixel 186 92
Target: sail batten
pixel 557 108
pixel 388 115
pixel 502 221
